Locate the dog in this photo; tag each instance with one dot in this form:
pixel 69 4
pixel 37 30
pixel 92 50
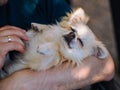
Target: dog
pixel 49 45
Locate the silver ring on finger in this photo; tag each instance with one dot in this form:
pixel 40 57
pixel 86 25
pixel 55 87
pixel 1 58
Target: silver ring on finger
pixel 9 38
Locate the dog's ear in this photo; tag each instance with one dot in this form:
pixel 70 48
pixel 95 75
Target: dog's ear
pixel 34 26
pixel 79 16
pixel 38 27
pixel 100 51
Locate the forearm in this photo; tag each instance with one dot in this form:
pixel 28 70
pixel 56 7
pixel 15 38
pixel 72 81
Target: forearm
pixel 62 77
pixel 90 71
pixel 78 77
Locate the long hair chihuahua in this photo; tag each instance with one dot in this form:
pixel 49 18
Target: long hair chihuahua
pixel 49 45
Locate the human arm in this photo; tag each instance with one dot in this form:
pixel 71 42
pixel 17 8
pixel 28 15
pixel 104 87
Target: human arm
pixel 62 77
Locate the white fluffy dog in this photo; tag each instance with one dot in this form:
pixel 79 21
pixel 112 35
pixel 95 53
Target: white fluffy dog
pixel 50 45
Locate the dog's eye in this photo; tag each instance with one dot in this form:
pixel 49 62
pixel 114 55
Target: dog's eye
pixel 81 42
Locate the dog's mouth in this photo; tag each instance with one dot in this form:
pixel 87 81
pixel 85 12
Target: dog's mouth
pixel 71 38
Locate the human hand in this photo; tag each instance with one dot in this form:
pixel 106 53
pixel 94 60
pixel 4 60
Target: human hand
pixel 11 39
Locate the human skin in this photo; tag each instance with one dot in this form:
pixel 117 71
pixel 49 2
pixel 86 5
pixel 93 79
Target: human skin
pixel 17 35
pixel 61 77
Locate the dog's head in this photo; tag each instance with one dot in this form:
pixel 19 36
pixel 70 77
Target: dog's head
pixel 75 39
pixel 80 42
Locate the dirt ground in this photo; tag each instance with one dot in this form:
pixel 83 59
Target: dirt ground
pixel 100 21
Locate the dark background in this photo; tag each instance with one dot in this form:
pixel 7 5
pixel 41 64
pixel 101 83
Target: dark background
pixel 115 9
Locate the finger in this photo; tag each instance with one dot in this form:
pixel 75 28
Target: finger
pixel 11 46
pixel 12 27
pixel 13 39
pixel 14 32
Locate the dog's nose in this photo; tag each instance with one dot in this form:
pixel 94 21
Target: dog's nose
pixel 69 37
